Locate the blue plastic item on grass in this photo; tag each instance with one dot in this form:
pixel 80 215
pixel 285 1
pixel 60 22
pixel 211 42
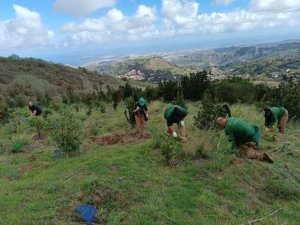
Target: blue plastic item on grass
pixel 87 213
pixel 57 153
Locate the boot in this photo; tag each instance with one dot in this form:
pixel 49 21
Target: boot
pixel 267 158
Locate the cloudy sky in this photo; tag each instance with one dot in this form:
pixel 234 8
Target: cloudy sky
pixel 52 29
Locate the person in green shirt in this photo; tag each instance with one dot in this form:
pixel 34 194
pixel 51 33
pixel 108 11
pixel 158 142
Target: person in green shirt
pixel 140 114
pixel 176 114
pixel 277 115
pixel 243 136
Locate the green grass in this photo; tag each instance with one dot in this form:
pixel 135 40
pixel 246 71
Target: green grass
pixel 131 184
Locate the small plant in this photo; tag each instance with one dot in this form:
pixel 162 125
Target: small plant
pixel 3 113
pixel 18 144
pixel 170 149
pixel 2 148
pixel 273 133
pixel 129 102
pixel 38 123
pixel 200 153
pixel 102 107
pixel 65 132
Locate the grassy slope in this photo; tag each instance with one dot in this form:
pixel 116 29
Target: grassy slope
pixel 28 72
pixel 131 184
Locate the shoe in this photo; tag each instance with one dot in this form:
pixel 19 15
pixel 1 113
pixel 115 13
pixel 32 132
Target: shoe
pixel 267 158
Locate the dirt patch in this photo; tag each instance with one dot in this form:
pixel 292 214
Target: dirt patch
pixel 117 138
pixel 25 169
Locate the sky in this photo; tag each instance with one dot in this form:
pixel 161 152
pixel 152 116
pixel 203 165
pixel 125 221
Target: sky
pixel 77 31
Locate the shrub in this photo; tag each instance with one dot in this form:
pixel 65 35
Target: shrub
pixel 102 107
pixel 129 103
pixel 38 123
pixel 17 144
pixel 3 113
pixel 170 149
pixel 64 131
pixel 208 112
pixel 235 90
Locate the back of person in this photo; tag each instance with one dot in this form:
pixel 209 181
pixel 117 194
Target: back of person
pixel 35 108
pixel 240 129
pixel 168 115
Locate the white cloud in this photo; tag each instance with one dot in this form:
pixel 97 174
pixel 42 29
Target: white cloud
pixel 24 31
pixel 179 17
pixel 179 14
pixel 112 27
pixel 182 17
pixel 81 7
pixel 275 5
pixel 222 2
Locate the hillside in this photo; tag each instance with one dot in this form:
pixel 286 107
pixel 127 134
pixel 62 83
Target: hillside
pixel 35 78
pixel 130 183
pixel 271 60
pixel 272 67
pixel 141 68
pixel 224 56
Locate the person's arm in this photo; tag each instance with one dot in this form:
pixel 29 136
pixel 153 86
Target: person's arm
pixel 146 111
pixel 231 138
pixel 136 107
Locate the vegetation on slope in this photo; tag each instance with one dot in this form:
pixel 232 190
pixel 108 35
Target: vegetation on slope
pixel 132 184
pixel 25 78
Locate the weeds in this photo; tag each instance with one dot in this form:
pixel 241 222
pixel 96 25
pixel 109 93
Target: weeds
pixel 17 144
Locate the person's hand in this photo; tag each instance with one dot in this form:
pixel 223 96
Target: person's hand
pixel 267 129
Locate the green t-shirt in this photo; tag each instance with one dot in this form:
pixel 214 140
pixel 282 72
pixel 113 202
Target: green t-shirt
pixel 169 114
pixel 241 132
pixel 276 114
pixel 143 108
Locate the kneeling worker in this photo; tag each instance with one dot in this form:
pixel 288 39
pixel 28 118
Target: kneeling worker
pixel 276 114
pixel 243 135
pixel 35 109
pixel 176 114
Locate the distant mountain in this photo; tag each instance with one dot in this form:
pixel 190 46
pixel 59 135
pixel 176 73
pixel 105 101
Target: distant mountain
pixel 271 59
pixel 150 68
pixel 223 56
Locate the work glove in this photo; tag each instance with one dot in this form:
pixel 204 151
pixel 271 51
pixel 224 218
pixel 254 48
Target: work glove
pixel 174 134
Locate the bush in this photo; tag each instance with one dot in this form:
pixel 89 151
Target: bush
pixel 38 123
pixel 235 90
pixel 18 144
pixel 129 103
pixel 64 131
pixel 208 112
pixel 170 149
pixel 102 107
pixel 3 113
